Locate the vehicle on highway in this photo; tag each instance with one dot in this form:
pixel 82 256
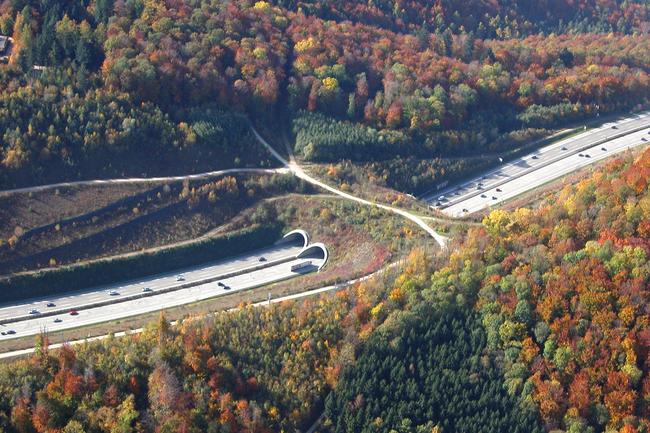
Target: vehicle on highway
pixel 226 287
pixel 113 293
pixel 479 187
pixel 494 197
pixel 34 311
pixel 534 156
pixel 564 148
pixel 58 320
pixel 180 278
pixel 11 332
pixel 614 127
pixel 587 155
pixel 262 259
pixel 220 284
pixel 483 195
pixel 147 290
pixel 438 203
pixel 74 313
pixel 465 210
pixel 580 155
pixel 441 198
pixel 51 304
pixel 498 189
pixel 300 266
pixel 603 149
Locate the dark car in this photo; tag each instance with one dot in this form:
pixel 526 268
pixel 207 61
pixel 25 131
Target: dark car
pixel 603 149
pixel 11 332
pixel 465 210
pixel 534 156
pixel 587 155
pixel 51 304
pixel 614 127
pixel 74 313
pixel 483 195
pixel 580 155
pixel 563 147
pixel 58 320
pixel 262 259
pixel 220 284
pixel 494 198
pixel 498 189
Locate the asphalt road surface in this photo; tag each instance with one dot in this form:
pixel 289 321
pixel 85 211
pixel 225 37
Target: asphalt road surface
pixel 134 307
pixel 542 166
pixel 155 283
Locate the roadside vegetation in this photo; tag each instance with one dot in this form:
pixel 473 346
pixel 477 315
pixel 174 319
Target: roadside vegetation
pixel 556 298
pixel 80 228
pixel 536 319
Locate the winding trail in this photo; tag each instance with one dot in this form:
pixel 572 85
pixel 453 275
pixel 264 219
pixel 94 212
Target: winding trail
pixel 293 166
pixel 139 180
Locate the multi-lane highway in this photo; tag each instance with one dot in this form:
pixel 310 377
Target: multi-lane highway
pixel 541 166
pixel 153 293
pixel 134 307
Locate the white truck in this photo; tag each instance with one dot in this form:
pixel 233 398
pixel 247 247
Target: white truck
pixel 300 266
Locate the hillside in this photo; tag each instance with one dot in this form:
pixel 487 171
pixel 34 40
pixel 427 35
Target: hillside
pixel 548 306
pixel 532 317
pixel 126 88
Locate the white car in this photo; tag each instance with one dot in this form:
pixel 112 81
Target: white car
pixel 113 293
pixel 34 311
pixel 146 290
pixel 180 278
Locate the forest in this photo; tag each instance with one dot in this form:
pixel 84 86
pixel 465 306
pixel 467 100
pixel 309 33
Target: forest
pixel 92 84
pixel 429 374
pixel 536 321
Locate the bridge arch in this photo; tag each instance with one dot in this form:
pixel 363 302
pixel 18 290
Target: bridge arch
pixel 317 250
pixel 297 235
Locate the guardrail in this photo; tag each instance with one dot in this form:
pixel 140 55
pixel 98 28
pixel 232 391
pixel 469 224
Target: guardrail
pixel 117 300
pixel 544 164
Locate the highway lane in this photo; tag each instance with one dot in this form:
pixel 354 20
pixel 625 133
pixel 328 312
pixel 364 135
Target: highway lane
pixel 308 293
pixel 521 184
pixel 158 282
pixel 533 161
pixel 161 301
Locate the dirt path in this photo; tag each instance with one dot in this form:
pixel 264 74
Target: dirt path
pixel 140 180
pixel 293 166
